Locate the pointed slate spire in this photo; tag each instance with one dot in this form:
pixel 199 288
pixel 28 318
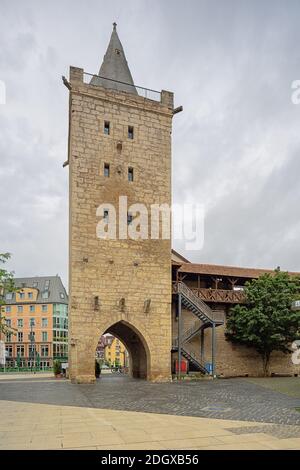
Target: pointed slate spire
pixel 115 67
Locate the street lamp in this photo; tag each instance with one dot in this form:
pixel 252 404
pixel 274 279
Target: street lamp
pixel 32 346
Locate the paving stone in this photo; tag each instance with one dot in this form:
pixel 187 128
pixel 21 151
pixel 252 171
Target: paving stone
pixel 231 399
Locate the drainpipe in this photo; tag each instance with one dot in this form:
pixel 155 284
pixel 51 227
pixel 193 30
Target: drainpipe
pixel 213 350
pixel 179 337
pixel 202 346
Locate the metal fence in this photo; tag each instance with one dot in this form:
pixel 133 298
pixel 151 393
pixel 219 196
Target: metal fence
pixel 98 80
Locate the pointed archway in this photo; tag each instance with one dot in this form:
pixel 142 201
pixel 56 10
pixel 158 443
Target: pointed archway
pixel 145 355
pixel 136 346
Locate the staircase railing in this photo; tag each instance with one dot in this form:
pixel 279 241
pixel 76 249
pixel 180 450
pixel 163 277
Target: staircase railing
pixel 191 355
pixel 220 295
pixel 188 333
pixel 213 317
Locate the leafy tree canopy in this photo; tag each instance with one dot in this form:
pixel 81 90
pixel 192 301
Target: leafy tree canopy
pixel 6 285
pixel 267 320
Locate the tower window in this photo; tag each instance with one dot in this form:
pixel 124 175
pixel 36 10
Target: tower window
pixel 130 174
pixel 106 127
pixel 129 218
pixel 105 215
pixel 106 169
pixel 130 132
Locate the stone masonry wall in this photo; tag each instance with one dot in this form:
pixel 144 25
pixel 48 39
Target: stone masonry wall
pixel 111 270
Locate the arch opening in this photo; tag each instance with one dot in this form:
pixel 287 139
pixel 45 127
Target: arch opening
pixel 136 346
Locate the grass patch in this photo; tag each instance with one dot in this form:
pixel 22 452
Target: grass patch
pixel 289 386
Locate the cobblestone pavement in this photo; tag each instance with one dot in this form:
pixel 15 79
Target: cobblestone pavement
pixel 231 399
pixel 40 412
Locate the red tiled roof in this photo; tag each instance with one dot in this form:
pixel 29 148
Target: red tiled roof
pixel 216 270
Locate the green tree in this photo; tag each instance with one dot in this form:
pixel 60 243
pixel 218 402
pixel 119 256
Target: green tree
pixel 6 285
pixel 57 368
pixel 267 321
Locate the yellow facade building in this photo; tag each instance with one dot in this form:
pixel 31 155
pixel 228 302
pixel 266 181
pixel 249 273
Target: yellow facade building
pixel 115 353
pixel 37 313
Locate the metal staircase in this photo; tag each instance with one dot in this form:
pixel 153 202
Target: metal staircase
pixel 188 334
pixel 191 356
pixel 197 306
pixel 207 318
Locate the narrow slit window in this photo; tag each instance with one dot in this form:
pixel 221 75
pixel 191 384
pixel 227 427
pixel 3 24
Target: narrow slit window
pixel 105 215
pixel 130 132
pixel 129 218
pixel 106 169
pixel 106 127
pixel 130 174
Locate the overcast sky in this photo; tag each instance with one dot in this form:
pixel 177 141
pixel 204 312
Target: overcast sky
pixel 236 146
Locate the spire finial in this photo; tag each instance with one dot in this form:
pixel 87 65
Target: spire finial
pixel 114 67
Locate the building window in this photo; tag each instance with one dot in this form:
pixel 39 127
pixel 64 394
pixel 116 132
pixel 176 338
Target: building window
pixel 9 351
pixel 130 174
pixel 22 295
pixel 32 322
pixel 32 308
pixel 130 132
pixel 8 323
pixel 47 284
pixel 62 295
pixel 106 170
pixel 20 308
pixel 44 336
pixel 35 284
pixel 30 296
pixel 31 351
pixel 106 127
pixel 20 322
pixel 8 337
pixel 45 351
pixel 31 337
pixel 20 337
pixel 44 322
pixel 44 308
pixel 9 296
pixel 8 308
pixel 45 295
pixel 21 351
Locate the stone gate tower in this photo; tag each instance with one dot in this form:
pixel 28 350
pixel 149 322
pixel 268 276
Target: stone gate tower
pixel 119 145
